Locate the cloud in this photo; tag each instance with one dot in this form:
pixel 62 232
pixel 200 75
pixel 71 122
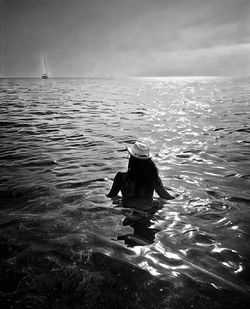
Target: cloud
pixel 124 37
pixel 219 60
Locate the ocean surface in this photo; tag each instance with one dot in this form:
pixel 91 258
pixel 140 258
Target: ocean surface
pixel 63 244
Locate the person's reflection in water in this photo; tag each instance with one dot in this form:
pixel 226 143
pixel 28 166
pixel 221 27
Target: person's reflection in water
pixel 137 186
pixel 141 223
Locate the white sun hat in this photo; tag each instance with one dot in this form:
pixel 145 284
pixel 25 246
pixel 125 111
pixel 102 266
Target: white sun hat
pixel 139 150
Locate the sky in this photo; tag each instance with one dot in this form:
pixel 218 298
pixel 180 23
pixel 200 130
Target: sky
pixel 125 37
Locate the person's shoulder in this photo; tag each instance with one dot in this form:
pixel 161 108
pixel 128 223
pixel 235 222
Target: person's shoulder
pixel 157 180
pixel 121 175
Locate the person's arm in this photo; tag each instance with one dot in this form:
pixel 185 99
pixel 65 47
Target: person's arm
pixel 115 187
pixel 161 191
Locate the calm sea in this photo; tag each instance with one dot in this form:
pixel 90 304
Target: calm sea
pixel 62 241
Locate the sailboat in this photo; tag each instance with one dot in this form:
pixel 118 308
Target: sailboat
pixel 45 75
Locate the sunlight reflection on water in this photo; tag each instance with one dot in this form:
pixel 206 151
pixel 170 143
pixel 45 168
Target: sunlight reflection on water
pixel 63 141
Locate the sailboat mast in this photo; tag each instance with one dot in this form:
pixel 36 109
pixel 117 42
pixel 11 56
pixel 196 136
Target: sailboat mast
pixel 45 66
pixel 45 75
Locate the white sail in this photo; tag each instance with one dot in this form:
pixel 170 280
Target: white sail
pixel 45 75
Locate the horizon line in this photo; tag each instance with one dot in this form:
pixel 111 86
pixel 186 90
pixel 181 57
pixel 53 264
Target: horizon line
pixel 122 77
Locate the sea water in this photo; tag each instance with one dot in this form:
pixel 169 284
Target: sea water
pixel 63 243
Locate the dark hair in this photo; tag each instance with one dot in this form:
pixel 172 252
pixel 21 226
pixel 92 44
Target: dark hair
pixel 142 173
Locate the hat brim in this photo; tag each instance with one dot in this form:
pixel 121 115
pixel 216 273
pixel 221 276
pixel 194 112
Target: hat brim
pixel 133 154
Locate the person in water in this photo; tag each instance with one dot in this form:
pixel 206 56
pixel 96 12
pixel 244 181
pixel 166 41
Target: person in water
pixel 138 184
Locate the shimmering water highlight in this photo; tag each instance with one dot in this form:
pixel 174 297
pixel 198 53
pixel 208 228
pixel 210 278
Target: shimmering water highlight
pixel 63 243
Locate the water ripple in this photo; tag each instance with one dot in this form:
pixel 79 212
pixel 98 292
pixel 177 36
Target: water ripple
pixel 63 140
